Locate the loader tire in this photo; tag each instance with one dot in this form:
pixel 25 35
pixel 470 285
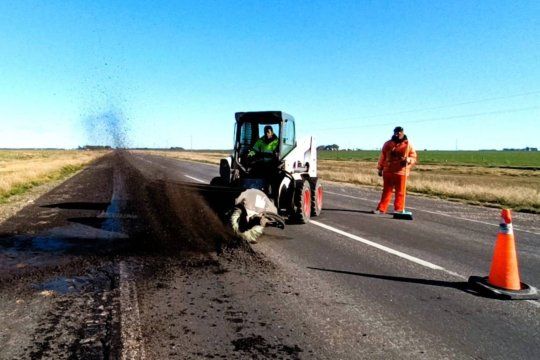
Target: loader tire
pixel 316 198
pixel 241 229
pixel 217 181
pixel 302 202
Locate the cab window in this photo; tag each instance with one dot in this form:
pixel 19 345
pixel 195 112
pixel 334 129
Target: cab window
pixel 288 141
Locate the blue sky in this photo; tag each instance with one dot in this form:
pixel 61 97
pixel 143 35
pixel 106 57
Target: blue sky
pixel 451 72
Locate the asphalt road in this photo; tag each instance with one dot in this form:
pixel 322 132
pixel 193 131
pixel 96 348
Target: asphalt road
pixel 398 286
pixel 114 264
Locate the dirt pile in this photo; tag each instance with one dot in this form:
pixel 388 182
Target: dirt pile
pixel 173 216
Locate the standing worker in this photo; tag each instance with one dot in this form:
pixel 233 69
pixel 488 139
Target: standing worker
pixel 397 157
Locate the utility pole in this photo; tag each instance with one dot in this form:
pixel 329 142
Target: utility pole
pixel 191 142
pixel 456 145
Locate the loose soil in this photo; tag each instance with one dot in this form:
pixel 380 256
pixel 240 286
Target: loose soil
pixel 59 273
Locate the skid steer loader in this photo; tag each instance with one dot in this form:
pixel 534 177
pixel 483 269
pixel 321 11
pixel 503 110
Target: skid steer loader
pixel 274 188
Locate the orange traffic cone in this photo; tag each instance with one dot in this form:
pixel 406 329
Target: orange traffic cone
pixel 503 280
pixel 504 267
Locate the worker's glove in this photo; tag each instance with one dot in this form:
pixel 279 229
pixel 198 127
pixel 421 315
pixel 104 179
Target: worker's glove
pixel 251 153
pixel 380 172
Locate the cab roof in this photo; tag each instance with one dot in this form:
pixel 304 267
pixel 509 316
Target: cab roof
pixel 263 117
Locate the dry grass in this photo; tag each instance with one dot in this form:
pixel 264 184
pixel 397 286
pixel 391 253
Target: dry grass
pixel 518 189
pixel 21 170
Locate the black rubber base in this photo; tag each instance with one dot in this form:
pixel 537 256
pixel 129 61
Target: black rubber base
pixel 404 215
pixel 481 284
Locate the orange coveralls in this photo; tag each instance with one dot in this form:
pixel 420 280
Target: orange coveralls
pixel 395 161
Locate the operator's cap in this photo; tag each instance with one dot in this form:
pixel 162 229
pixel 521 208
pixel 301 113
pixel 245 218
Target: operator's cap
pixel 398 129
pixel 268 127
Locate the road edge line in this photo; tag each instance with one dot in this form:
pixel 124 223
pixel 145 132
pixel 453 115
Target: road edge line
pixel 130 320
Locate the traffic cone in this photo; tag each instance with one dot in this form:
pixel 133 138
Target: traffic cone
pixel 503 280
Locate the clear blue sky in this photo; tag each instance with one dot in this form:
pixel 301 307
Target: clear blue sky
pixel 450 72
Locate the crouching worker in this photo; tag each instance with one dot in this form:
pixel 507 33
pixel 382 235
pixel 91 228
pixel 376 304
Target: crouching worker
pixel 396 159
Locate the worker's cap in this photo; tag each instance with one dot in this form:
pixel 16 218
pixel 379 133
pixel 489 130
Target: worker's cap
pixel 398 129
pixel 268 127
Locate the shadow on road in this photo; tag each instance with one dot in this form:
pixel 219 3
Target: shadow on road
pixel 459 285
pixel 350 210
pixel 79 205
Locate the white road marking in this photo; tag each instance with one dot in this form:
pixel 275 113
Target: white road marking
pixel 350 196
pixel 130 321
pixel 432 212
pixel 385 248
pixel 196 179
pixel 379 246
pixel 165 167
pixel 398 253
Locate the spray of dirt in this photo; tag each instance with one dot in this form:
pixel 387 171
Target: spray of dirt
pixel 172 217
pixel 107 128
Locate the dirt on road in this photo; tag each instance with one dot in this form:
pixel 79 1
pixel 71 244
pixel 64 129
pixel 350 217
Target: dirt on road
pixel 202 293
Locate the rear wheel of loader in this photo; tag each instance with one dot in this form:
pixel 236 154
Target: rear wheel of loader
pixel 316 198
pixel 302 202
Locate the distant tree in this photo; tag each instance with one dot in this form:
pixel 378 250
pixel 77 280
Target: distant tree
pixel 524 149
pixel 94 147
pixel 333 147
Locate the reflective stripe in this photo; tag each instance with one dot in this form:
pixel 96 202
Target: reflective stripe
pixel 506 228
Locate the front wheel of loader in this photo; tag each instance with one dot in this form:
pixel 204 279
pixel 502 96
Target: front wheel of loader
pixel 316 198
pixel 302 202
pixel 217 181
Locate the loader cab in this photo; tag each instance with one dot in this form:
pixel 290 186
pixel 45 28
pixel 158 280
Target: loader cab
pixel 250 127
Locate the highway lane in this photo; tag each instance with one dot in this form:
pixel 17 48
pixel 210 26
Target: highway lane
pixel 406 303
pixel 458 237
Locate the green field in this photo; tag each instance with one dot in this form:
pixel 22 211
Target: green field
pixel 517 159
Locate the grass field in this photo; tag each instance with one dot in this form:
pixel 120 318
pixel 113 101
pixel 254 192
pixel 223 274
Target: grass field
pixel 464 176
pixel 518 159
pixel 21 170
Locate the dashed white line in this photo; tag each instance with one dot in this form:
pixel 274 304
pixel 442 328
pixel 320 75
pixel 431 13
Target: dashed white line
pixel 196 179
pixel 432 212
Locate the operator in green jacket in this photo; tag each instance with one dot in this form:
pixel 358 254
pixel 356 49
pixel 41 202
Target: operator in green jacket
pixel 266 146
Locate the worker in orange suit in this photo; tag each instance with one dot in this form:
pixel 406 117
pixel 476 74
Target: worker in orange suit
pixel 397 158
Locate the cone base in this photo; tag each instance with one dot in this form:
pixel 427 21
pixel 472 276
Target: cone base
pixel 526 293
pixel 403 215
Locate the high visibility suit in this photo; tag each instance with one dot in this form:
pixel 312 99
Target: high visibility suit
pixel 396 159
pixel 265 147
